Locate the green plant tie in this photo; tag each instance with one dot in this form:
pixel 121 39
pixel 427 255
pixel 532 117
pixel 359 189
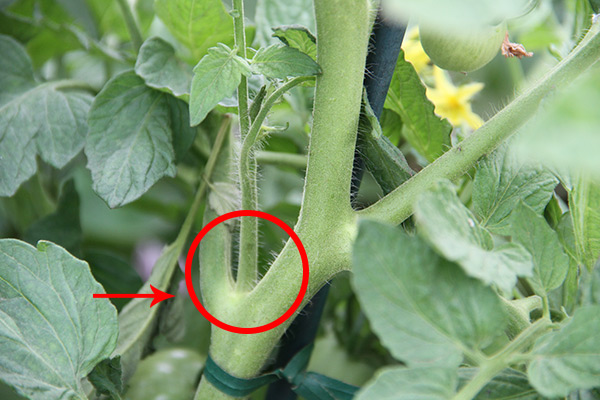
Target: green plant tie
pixel 310 385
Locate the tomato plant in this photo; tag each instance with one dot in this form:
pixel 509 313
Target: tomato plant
pixel 451 220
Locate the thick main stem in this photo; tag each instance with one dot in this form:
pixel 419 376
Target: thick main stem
pixel 327 223
pixel 397 205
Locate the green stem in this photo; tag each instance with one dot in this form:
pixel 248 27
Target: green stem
pixel 248 256
pixel 397 205
pixel 134 31
pixel 327 224
pixel 240 42
pixel 208 170
pixel 502 359
pixel 546 307
pixel 66 84
pixel 281 159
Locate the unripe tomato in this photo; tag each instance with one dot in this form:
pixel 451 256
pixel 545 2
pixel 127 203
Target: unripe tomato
pixel 170 374
pixel 462 51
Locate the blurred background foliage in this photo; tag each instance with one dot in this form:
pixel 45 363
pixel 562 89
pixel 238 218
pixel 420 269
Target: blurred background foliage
pixel 87 40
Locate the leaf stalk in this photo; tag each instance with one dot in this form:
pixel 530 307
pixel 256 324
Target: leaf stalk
pixel 134 31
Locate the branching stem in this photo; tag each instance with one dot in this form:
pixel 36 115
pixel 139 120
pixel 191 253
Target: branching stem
pixel 502 359
pixel 397 205
pixel 248 257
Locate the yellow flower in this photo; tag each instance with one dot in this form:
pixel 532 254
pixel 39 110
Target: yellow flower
pixel 453 102
pixel 413 51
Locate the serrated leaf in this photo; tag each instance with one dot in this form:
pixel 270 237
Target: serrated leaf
pixel 569 358
pixel 423 308
pixel 157 65
pixel 550 262
pixel 510 384
pixel 131 139
pixel 401 383
pixel 297 37
pixel 426 132
pixel 106 378
pixel 35 119
pixel 281 62
pixel 52 332
pixel 62 227
pixel 198 25
pixel 138 322
pixel 273 13
pixel 216 76
pixel 453 230
pixel 502 181
pixel 584 202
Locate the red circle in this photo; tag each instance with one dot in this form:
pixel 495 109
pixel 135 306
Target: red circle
pixel 223 218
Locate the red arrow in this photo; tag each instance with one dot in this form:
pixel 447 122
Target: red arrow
pixel 157 296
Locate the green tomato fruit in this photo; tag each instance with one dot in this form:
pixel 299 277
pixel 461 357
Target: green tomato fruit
pixel 463 51
pixel 170 374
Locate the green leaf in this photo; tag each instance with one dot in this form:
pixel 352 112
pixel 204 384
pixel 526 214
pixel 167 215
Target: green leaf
pixel 502 181
pixel 584 201
pixel 198 25
pixel 591 287
pixel 569 358
pixel 273 13
pixel 426 132
pixel 35 119
pixel 453 230
pixel 297 37
pixel 566 235
pixel 216 76
pixel 160 69
pixel 280 62
pixel 314 386
pixel 382 159
pixel 423 308
pixel 510 384
pixel 431 383
pixel 131 139
pixel 138 323
pixel 550 262
pixel 63 226
pixel 106 378
pixel 52 332
pixel 391 125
